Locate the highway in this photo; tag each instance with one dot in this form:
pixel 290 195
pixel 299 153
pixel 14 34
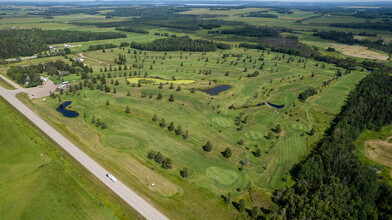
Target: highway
pixel 129 196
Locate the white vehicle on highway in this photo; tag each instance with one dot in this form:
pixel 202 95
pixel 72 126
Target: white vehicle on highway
pixel 111 177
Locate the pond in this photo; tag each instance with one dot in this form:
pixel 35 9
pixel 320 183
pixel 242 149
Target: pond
pixel 67 112
pixel 275 106
pixel 217 90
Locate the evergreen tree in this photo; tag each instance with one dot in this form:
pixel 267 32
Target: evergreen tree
pixel 151 155
pixel 257 152
pixel 171 99
pixel 179 130
pixel 107 102
pixel 208 146
pixel 227 153
pixel 167 163
pixel 163 123
pixel 171 126
pixel 241 205
pixel 178 88
pixel 155 118
pixel 159 158
pixel 228 199
pixel 127 110
pixel 278 129
pixel 159 97
pixel 184 173
pixel 93 120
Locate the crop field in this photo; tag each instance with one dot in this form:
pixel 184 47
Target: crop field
pixel 41 180
pixel 135 103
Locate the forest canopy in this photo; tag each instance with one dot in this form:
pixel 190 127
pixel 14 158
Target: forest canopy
pixel 27 42
pixel 180 44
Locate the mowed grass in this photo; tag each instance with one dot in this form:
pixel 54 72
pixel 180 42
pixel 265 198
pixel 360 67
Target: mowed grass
pixel 124 146
pixel 39 182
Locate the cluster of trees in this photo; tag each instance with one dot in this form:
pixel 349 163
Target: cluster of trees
pixel 26 42
pixel 380 26
pixel 259 14
pixel 311 91
pixel 180 44
pixel 254 74
pixel 333 182
pixel 171 127
pixel 253 31
pixel 132 29
pixel 165 162
pixel 339 36
pixel 100 47
pixel 97 122
pixel 31 74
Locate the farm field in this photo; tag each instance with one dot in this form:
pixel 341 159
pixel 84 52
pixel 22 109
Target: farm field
pixel 43 182
pixel 146 115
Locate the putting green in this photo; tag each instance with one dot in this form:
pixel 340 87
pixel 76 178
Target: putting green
pixel 252 135
pixel 298 126
pixel 221 122
pixel 222 177
pixel 155 81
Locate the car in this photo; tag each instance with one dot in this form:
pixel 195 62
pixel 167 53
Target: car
pixel 112 178
pixel 55 83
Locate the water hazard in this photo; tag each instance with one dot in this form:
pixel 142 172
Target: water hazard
pixel 217 90
pixel 67 112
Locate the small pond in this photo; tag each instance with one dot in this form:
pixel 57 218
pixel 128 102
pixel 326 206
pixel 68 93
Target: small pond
pixel 217 90
pixel 67 112
pixel 275 106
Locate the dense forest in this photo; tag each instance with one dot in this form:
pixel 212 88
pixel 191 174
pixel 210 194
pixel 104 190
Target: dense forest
pixel 380 26
pixel 180 44
pixel 100 47
pixel 132 29
pixel 253 31
pixel 333 182
pixel 26 42
pixel 259 14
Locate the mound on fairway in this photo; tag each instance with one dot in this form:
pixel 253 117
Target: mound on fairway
pixel 297 126
pixel 253 135
pixel 222 177
pixel 155 81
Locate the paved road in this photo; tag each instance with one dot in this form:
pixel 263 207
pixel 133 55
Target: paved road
pixel 129 196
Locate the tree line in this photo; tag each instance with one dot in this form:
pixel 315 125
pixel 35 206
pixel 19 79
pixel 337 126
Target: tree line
pixel 26 42
pixel 333 182
pixel 180 44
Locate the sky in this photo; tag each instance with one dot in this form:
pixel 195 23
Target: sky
pixel 231 1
